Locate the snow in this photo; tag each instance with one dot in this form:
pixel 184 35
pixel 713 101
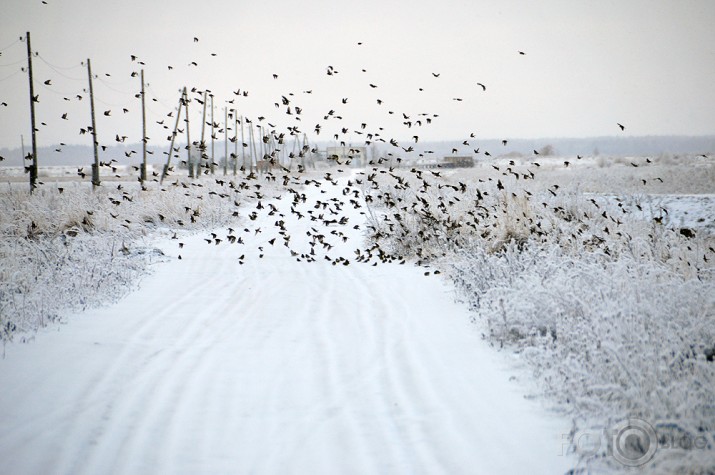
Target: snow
pixel 285 327
pixel 218 364
pixel 605 298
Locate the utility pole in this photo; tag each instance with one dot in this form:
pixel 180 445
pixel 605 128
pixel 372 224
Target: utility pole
pixel 95 166
pixel 263 149
pixel 203 142
pixel 235 143
pixel 254 154
pixel 213 137
pixel 243 150
pixel 173 138
pixel 33 168
pixel 142 176
pixel 225 141
pixel 304 150
pixel 22 144
pixel 188 138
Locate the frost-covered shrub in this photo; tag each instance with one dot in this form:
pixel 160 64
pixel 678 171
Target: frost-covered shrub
pixel 612 306
pixel 75 248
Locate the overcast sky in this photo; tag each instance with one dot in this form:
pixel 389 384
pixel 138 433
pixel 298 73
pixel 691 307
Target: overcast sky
pixel 588 65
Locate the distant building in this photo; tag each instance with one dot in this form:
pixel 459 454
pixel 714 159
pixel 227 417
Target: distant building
pixel 354 156
pixel 453 161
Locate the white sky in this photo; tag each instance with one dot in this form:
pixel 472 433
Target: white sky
pixel 649 65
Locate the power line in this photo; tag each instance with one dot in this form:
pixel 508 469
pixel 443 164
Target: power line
pixel 109 104
pixel 157 98
pixel 57 69
pixel 19 40
pixel 53 90
pixel 108 85
pixel 54 66
pixel 13 64
pixel 11 75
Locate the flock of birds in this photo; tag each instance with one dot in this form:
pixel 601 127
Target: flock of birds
pixel 292 108
pixel 323 210
pixel 327 215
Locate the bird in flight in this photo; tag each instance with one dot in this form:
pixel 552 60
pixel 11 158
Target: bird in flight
pixel 484 88
pixel 623 127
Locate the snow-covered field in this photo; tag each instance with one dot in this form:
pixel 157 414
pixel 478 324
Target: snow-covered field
pixel 273 326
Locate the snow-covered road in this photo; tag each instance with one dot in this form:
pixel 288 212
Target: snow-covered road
pixel 221 365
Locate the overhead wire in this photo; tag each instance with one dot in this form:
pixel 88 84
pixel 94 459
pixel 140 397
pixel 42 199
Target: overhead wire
pixel 156 96
pixel 57 69
pixel 10 75
pixel 19 40
pixel 12 64
pixel 54 66
pixel 108 85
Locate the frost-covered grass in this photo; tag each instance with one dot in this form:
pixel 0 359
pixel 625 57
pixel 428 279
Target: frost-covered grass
pixel 608 298
pixel 67 250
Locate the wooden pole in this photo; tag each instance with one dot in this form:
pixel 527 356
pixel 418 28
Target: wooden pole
pixel 188 137
pixel 243 150
pixel 173 138
pixel 33 168
pixel 142 176
pixel 95 143
pixel 304 152
pixel 292 155
pixel 262 145
pixel 203 142
pixel 273 151
pixel 254 157
pixel 213 137
pixel 235 143
pixel 225 141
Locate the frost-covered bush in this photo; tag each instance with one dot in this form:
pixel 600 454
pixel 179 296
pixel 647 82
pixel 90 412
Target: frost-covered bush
pixel 40 278
pixel 68 247
pixel 607 299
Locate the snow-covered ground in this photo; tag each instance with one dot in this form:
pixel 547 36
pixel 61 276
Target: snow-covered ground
pixel 227 362
pixel 285 327
pixel 609 299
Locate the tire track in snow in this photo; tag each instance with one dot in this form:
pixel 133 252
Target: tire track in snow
pixel 149 391
pixel 282 367
pixel 94 398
